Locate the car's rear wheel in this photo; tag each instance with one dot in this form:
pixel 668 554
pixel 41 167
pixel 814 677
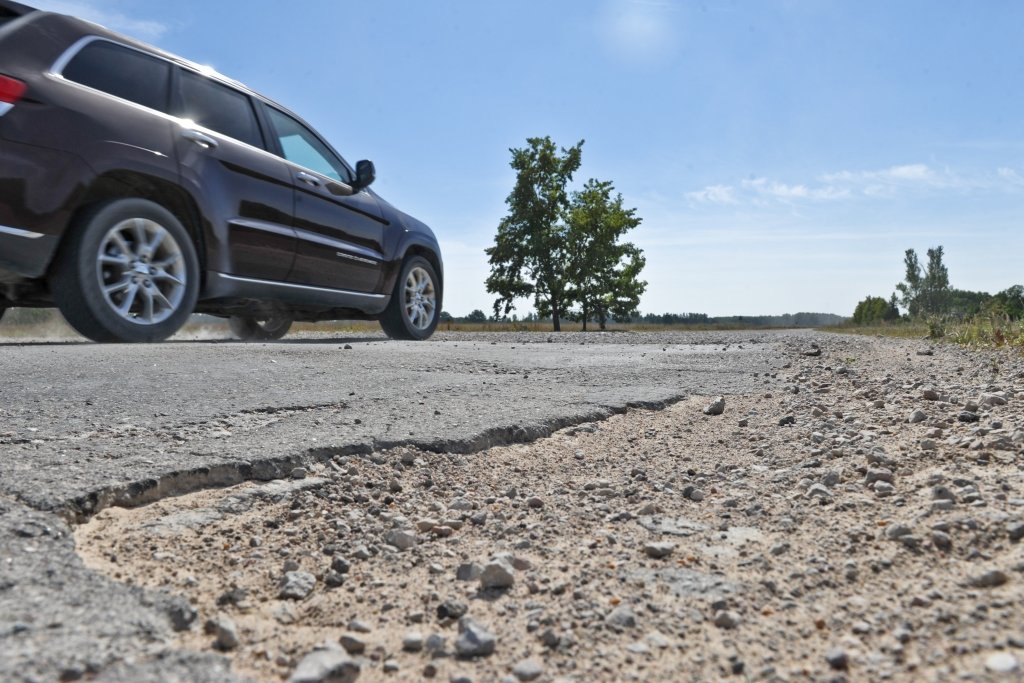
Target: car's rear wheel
pixel 259 329
pixel 126 272
pixel 415 302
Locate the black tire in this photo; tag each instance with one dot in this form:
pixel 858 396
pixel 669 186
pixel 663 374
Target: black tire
pixel 406 316
pixel 126 271
pixel 254 329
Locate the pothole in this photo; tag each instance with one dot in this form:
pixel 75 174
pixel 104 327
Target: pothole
pixel 381 553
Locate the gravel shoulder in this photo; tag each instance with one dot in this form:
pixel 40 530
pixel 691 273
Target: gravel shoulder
pixel 855 513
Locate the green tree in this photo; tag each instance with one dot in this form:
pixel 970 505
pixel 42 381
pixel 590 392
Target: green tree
pixel 530 252
pixel 603 272
pixel 871 310
pixel 894 310
pixel 1009 303
pixel 476 316
pixel 925 291
pixel 965 304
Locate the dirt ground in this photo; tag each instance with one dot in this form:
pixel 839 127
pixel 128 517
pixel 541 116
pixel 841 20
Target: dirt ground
pixel 861 520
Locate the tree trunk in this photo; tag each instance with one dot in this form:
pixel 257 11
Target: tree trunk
pixel 584 318
pixel 555 316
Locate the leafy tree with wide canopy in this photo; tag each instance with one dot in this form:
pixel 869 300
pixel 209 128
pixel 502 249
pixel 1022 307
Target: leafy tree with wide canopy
pixel 530 253
pixel 604 272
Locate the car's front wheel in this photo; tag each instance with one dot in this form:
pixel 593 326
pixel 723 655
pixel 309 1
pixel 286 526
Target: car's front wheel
pixel 126 272
pixel 259 329
pixel 415 302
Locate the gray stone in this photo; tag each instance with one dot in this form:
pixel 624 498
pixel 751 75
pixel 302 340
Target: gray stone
pixel 181 613
pixel 326 666
pixel 412 641
pixel 403 539
pixel 451 609
pixel 621 617
pixel 941 540
pixel 990 579
pixel 353 643
pixel 1015 530
pixel 436 644
pixel 226 633
pixel 1002 663
pixel 296 585
pixel 528 670
pixel 659 549
pixel 989 400
pixel 883 489
pixel 498 573
pixel 726 619
pixel 716 407
pixel 819 491
pixel 474 639
pixel 357 626
pixel 894 531
pixel 837 659
pixel 468 571
pixel 917 416
pixel 878 474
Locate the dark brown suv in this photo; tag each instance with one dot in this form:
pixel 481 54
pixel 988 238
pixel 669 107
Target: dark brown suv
pixel 137 188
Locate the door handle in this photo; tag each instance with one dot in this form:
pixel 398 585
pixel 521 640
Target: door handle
pixel 201 139
pixel 308 179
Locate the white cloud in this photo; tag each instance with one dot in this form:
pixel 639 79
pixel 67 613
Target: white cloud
pixel 637 31
pixel 1010 176
pixel 714 194
pixel 784 192
pixel 883 183
pixel 144 29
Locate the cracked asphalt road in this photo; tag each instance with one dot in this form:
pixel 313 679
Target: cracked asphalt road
pixel 86 426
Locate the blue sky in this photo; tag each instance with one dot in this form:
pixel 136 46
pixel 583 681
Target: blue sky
pixel 782 155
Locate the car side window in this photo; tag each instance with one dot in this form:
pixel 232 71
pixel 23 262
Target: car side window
pixel 122 72
pixel 300 146
pixel 219 108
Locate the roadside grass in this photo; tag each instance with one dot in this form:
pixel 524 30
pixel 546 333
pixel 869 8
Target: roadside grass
pixel 913 330
pixel 980 332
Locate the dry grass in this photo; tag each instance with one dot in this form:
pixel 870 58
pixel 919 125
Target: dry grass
pixel 981 332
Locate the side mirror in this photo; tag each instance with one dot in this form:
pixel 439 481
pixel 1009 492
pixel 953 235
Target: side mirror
pixel 366 173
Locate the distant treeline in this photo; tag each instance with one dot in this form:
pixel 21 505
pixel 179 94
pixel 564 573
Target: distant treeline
pixel 695 319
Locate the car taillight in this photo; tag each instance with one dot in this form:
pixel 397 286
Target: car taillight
pixel 11 89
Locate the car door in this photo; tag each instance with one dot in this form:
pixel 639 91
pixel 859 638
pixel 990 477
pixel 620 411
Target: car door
pixel 246 191
pixel 340 232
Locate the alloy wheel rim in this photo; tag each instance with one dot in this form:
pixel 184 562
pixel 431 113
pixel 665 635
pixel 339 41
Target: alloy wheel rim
pixel 141 271
pixel 420 298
